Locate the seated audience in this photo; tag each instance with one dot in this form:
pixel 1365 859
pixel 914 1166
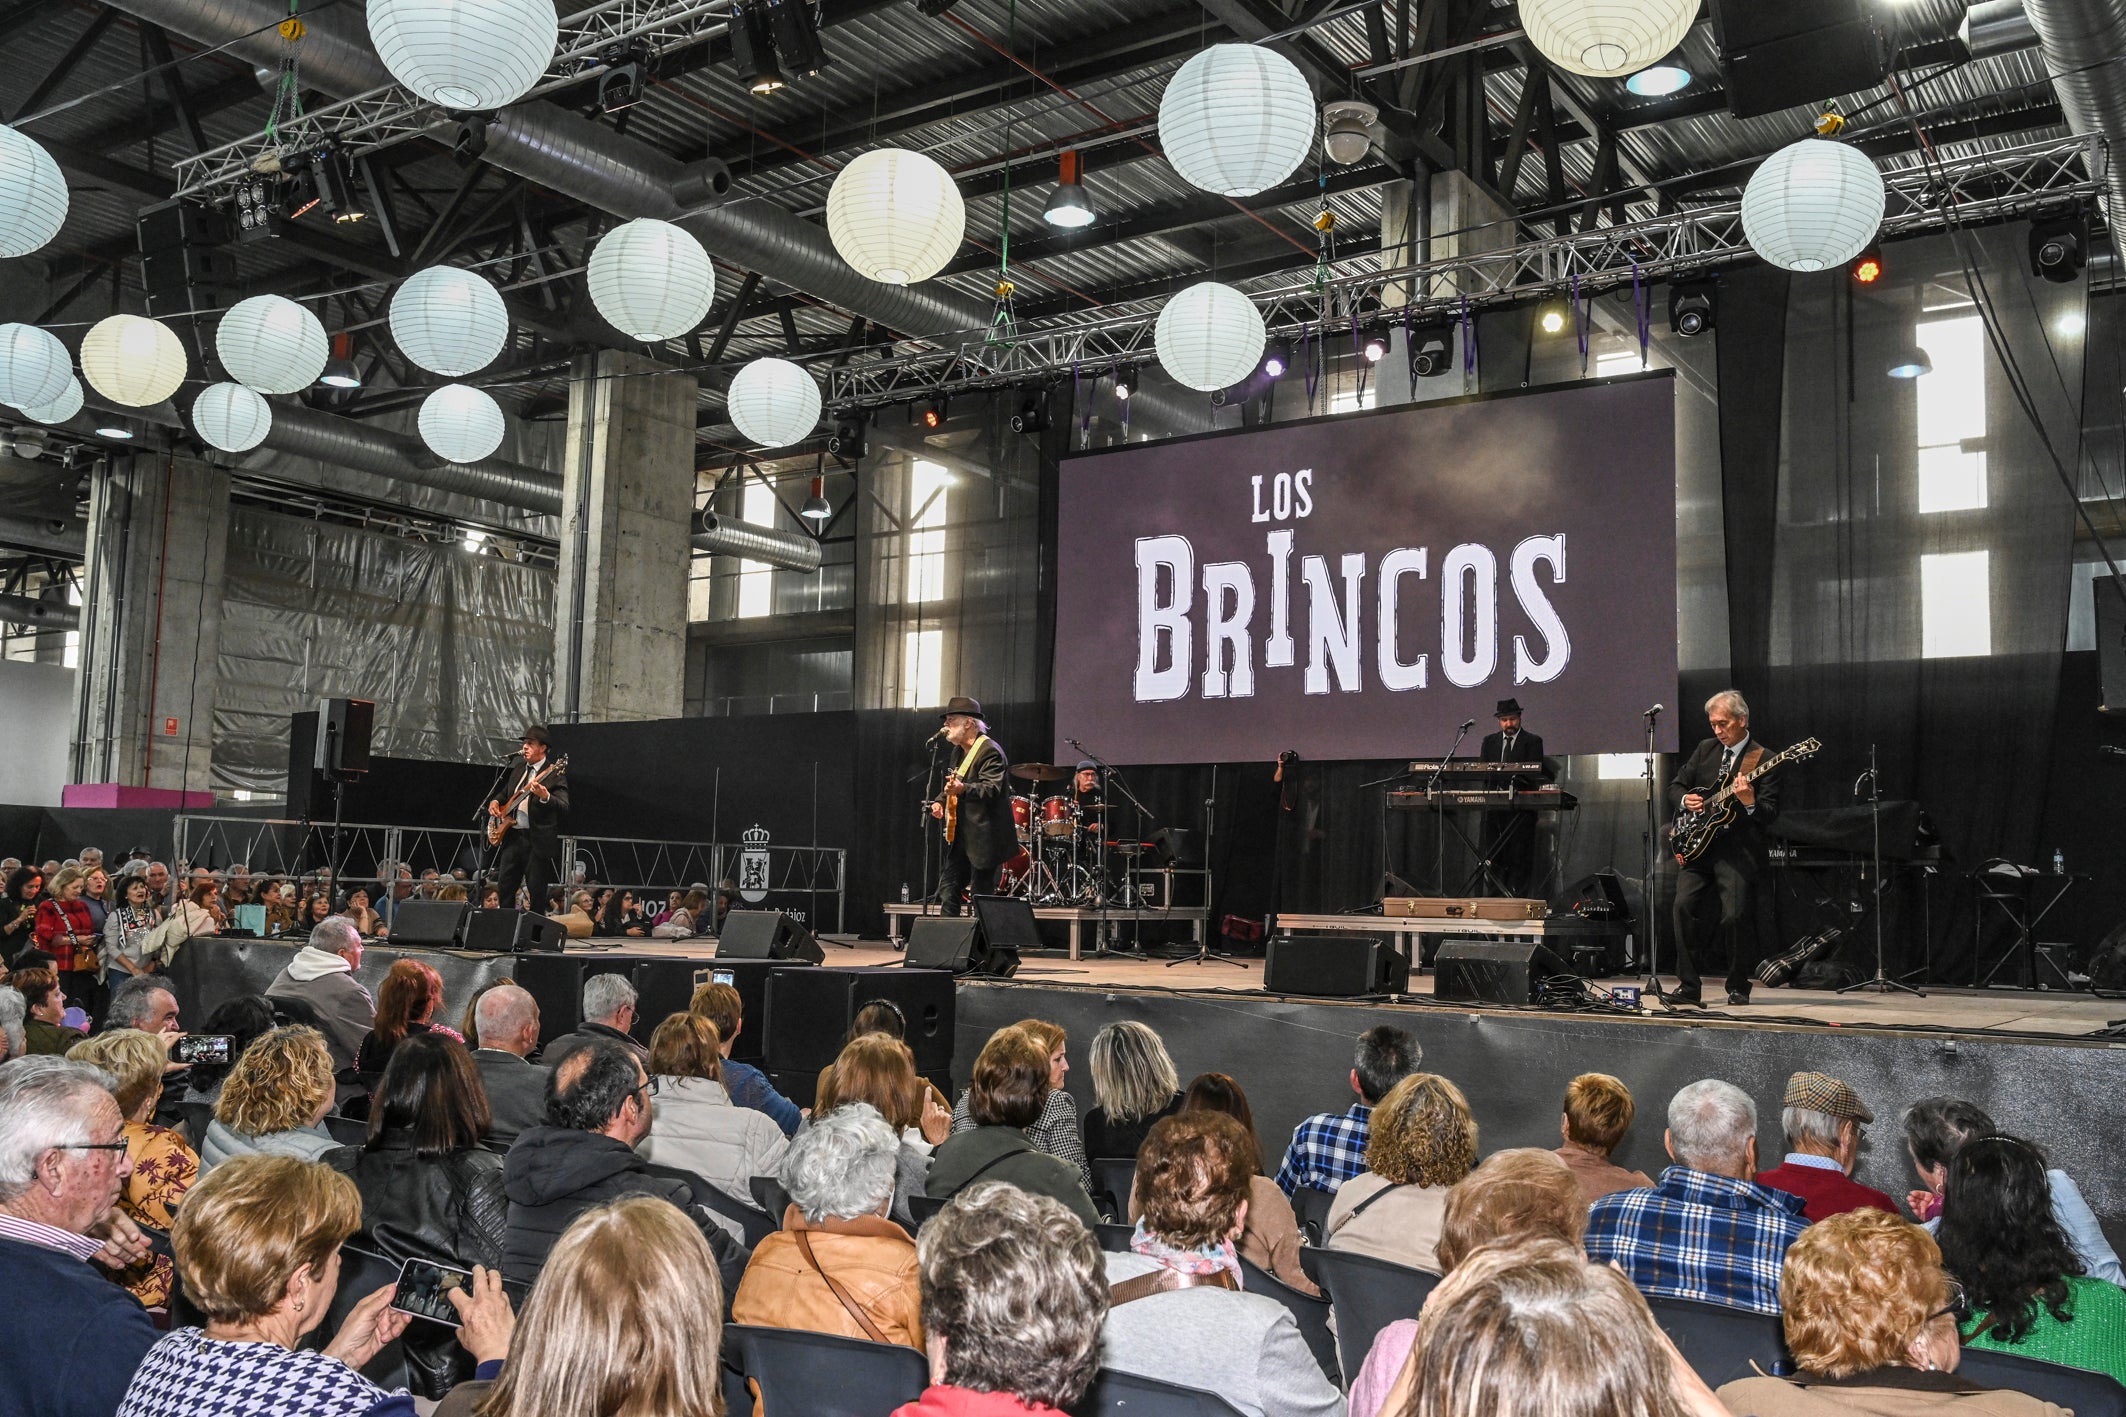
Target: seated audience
pixel 322 976
pixel 581 917
pixel 242 1020
pixel 2020 1275
pixel 608 1014
pixel 164 1166
pixel 1011 1083
pixel 885 1017
pixel 687 920
pixel 128 927
pixel 1175 1308
pixel 507 1034
pixel 1329 1148
pixel 838 1265
pixel 258 1252
pixel 274 1100
pixel 748 1085
pixel 1705 1230
pixel 45 999
pixel 280 907
pixel 1423 1140
pixel 1056 1131
pixel 64 1159
pixel 1135 1084
pixel 1271 1237
pixel 143 1002
pixel 694 1124
pixel 355 907
pixel 618 916
pixel 406 1004
pixel 71 935
pixel 1014 1292
pixel 1598 1112
pixel 1824 1120
pixel 1872 1327
pixel 878 1069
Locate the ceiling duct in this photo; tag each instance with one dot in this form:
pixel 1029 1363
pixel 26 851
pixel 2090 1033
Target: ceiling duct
pixel 39 615
pixel 1993 27
pixel 785 550
pixel 2082 41
pixel 50 536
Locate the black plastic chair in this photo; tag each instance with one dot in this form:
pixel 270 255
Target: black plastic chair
pixel 1723 1343
pixel 2085 1393
pixel 923 1207
pixel 806 1374
pixel 1116 1394
pixel 1310 1207
pixel 754 1225
pixel 1368 1295
pixel 769 1195
pixel 347 1131
pixel 1310 1313
pixel 1113 1179
pixel 1114 1237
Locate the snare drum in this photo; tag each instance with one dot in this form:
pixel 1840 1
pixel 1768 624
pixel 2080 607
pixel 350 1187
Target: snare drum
pixel 1022 810
pixel 1059 817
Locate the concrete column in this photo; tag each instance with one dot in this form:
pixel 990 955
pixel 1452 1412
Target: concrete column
pixel 620 601
pixel 152 585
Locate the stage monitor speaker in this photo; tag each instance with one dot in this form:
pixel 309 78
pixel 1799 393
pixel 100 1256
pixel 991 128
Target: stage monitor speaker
pixel 343 732
pixel 750 978
pixel 1795 52
pixel 766 934
pixel 556 982
pixel 810 1012
pixel 1333 965
pixel 432 923
pixel 664 987
pixel 1007 928
pixel 510 931
pixel 2110 596
pixel 1494 971
pixel 943 942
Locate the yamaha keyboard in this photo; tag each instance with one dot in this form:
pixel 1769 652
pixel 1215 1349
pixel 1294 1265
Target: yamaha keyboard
pixel 1498 799
pixel 1470 768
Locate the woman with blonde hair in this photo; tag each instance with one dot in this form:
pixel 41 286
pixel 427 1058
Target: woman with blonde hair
pixel 274 1100
pixel 164 1165
pixel 1423 1140
pixel 1055 1131
pixel 1135 1084
pixel 694 1124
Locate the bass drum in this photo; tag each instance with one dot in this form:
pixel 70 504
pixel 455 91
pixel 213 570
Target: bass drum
pixel 1013 874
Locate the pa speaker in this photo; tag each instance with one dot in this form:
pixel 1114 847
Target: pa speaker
pixel 1007 928
pixel 343 730
pixel 1333 965
pixel 1494 971
pixel 810 1011
pixel 943 942
pixel 1795 52
pixel 556 982
pixel 432 923
pixel 508 931
pixel 766 934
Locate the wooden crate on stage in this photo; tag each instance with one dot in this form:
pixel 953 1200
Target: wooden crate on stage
pixel 1436 907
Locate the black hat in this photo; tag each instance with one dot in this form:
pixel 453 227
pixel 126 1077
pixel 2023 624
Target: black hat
pixel 1506 706
pixel 960 703
pixel 1087 764
pixel 536 733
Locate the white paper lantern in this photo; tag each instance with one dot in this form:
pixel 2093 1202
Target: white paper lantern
pixel 60 409
pixel 473 55
pixel 34 368
pixel 1812 205
pixel 1236 119
pixel 133 360
pixel 1209 336
pixel 232 417
pixel 773 402
pixel 449 321
pixel 460 423
pixel 651 279
pixel 271 344
pixel 1606 39
pixel 896 216
pixel 33 196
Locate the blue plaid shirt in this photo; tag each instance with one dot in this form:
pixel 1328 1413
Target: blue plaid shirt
pixel 1694 1235
pixel 1327 1150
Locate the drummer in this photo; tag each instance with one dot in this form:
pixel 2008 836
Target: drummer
pixel 1086 792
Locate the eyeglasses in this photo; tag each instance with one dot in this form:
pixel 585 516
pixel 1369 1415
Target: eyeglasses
pixel 1956 1304
pixel 648 1085
pixel 118 1145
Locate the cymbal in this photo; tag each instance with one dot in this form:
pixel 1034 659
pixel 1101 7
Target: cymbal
pixel 1092 806
pixel 1039 772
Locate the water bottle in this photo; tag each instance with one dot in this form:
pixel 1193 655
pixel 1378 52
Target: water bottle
pixel 904 892
pixel 2059 862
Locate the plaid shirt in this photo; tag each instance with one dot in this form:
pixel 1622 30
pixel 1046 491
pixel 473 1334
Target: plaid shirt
pixel 1695 1235
pixel 1327 1150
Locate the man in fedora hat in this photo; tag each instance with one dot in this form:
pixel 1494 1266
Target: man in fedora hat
pixel 983 838
pixel 531 854
pixel 1509 837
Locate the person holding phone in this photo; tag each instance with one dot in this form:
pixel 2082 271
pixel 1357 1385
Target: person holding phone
pixel 164 1164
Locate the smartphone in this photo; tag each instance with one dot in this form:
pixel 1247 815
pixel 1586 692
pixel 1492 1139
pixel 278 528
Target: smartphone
pixel 724 976
pixel 202 1048
pixel 422 1287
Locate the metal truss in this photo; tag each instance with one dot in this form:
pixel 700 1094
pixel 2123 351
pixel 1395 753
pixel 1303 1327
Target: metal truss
pixel 383 116
pixel 1980 188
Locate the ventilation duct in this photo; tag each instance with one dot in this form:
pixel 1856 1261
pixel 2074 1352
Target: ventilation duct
pixel 1993 27
pixel 2082 41
pixel 785 550
pixel 49 536
pixel 39 615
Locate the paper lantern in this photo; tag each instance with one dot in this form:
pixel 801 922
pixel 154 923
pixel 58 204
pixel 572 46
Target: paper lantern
pixel 33 196
pixel 461 424
pixel 60 409
pixel 232 417
pixel 1236 119
pixel 34 368
pixel 133 360
pixel 271 344
pixel 651 279
pixel 773 402
pixel 1812 205
pixel 895 216
pixel 449 321
pixel 471 55
pixel 1606 39
pixel 1209 336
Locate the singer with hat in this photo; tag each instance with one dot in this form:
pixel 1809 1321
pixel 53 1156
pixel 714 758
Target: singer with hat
pixel 530 855
pixel 975 806
pixel 1509 837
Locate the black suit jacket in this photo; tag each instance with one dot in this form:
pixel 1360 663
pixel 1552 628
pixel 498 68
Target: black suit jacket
pixel 1527 748
pixel 545 816
pixel 1746 839
pixel 986 830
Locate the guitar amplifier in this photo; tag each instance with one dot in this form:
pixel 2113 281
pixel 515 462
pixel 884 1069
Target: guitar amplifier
pixel 1428 907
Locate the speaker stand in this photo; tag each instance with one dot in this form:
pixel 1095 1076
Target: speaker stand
pixel 1204 952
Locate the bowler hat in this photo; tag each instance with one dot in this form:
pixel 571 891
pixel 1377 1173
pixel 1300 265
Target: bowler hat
pixel 960 703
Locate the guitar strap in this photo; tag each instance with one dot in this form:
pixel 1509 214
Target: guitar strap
pixel 974 751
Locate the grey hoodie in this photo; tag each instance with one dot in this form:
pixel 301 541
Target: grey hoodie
pixel 344 1009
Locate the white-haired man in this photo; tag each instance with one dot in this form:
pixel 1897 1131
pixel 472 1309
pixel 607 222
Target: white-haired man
pixel 508 1020
pixel 608 1014
pixel 1721 883
pixel 320 980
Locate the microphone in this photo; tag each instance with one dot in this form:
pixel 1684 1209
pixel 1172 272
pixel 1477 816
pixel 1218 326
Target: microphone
pixel 934 737
pixel 506 757
pixel 1654 712
pixel 1467 724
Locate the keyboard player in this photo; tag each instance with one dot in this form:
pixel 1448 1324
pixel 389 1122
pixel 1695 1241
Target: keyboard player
pixel 1509 837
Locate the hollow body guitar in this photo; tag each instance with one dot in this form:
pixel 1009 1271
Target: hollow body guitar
pixel 499 827
pixel 1692 834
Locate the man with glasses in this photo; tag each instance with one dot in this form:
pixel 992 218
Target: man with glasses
pixel 62 1163
pixel 1825 1122
pixel 1726 875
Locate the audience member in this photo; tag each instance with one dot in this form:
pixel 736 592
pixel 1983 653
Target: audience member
pixel 1423 1141
pixel 1271 1238
pixel 129 927
pixel 1824 1121
pixel 687 920
pixel 67 932
pixel 163 1164
pixel 1705 1230
pixel 581 918
pixel 196 914
pixel 1014 1294
pixel 507 1034
pixel 883 1016
pixel 242 1020
pixel 274 1100
pixel 1598 1112
pixel 748 1085
pixel 618 916
pixel 143 1002
pixel 695 1126
pixel 1056 1130
pixel 14 1013
pixel 1135 1085
pixel 878 1069
pixel 406 1003
pixel 356 907
pixel 321 977
pixel 1329 1148
pixel 608 1014
pixel 44 1031
pixel 18 913
pixel 1011 1083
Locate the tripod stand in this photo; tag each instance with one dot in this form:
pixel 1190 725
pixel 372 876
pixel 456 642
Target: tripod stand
pixel 1650 928
pixel 1880 982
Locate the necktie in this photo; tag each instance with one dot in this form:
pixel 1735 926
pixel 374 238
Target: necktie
pixel 1727 765
pixel 1509 746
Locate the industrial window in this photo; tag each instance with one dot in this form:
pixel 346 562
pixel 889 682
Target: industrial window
pixel 922 668
pixel 1952 416
pixel 1618 766
pixel 926 535
pixel 1955 605
pixel 756 579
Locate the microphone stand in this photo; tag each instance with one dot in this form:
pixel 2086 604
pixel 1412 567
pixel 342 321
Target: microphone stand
pixel 933 842
pixel 489 852
pixel 1439 835
pixel 1113 777
pixel 1881 983
pixel 1650 924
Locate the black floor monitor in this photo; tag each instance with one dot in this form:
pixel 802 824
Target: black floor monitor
pixel 1007 928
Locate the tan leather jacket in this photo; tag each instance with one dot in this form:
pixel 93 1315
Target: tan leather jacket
pixel 872 1259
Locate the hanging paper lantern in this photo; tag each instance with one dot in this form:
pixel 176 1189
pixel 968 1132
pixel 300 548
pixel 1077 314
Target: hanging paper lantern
pixel 34 368
pixel 1236 119
pixel 133 360
pixel 895 216
pixel 651 279
pixel 271 344
pixel 449 321
pixel 773 402
pixel 60 409
pixel 1606 39
pixel 33 196
pixel 461 424
pixel 472 55
pixel 232 417
pixel 1812 205
pixel 1209 336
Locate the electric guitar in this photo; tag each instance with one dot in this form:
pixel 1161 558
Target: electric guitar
pixel 1692 834
pixel 498 826
pixel 950 801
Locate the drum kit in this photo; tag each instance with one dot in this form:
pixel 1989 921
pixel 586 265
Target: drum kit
pixel 1063 846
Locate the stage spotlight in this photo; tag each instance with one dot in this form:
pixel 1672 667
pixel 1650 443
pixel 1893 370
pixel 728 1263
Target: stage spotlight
pixel 1278 359
pixel 1375 343
pixel 625 81
pixel 339 371
pixel 1910 363
pixel 1031 416
pixel 2056 250
pixel 1659 80
pixel 753 47
pixel 816 512
pixel 1431 350
pixel 304 192
pixel 337 188
pixel 1068 206
pixel 1867 267
pixel 933 414
pixel 1691 311
pixel 1125 380
pixel 1553 320
pixel 257 203
pixel 796 36
pixel 847 440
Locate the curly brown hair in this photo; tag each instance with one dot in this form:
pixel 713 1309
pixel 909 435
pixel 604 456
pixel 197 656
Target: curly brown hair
pixel 1193 1175
pixel 1422 1133
pixel 1855 1290
pixel 278 1084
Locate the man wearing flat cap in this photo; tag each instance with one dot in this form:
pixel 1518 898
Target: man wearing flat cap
pixel 530 854
pixel 1509 837
pixel 1824 1121
pixel 975 807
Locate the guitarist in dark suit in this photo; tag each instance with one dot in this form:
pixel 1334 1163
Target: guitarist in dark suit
pixel 531 854
pixel 1725 876
pixel 1509 837
pixel 976 807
